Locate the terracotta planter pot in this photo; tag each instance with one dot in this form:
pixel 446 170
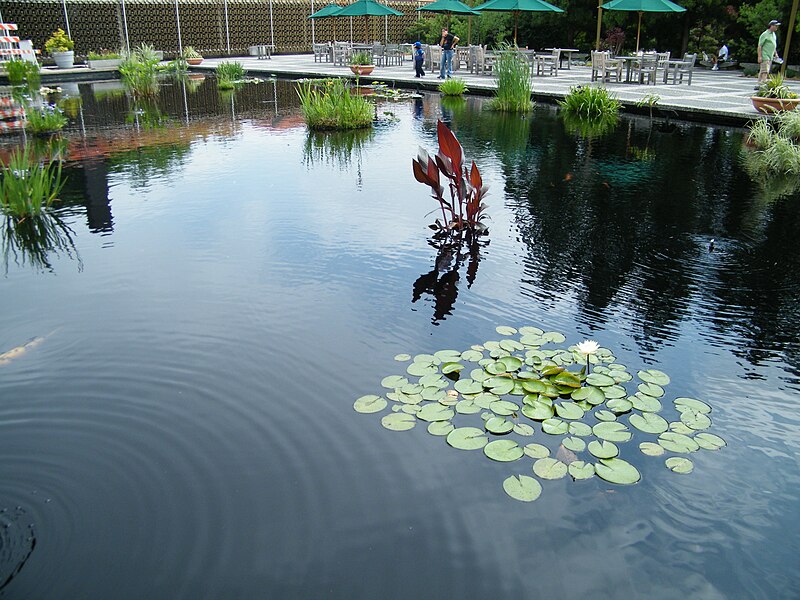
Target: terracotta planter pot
pixel 194 61
pixel 769 106
pixel 362 69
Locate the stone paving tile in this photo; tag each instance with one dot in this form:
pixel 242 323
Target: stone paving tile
pixel 713 95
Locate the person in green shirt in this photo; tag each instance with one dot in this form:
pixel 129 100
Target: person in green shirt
pixel 767 50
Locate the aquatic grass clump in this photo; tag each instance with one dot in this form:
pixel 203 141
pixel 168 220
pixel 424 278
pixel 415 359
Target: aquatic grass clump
pixel 776 146
pixel 28 187
pixel 228 74
pixel 334 106
pixel 590 102
pixel 23 72
pixel 47 119
pixel 453 87
pixel 513 73
pixel 139 69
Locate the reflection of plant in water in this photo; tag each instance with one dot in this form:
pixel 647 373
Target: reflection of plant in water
pixel 589 128
pixel 144 163
pixel 335 147
pixel 33 241
pixel 146 114
pixel 643 154
pixel 71 105
pixel 519 385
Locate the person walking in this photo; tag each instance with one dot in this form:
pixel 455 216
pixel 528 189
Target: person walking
pixel 419 60
pixel 448 43
pixel 767 50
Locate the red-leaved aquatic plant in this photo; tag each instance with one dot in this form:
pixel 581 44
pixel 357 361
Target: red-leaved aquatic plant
pixel 464 210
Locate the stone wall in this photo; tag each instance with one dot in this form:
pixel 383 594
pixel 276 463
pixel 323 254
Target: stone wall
pixel 97 25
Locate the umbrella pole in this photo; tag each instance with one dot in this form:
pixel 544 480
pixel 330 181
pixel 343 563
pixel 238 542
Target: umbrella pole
pixel 469 30
pixel 789 30
pixel 638 31
pixel 516 16
pixel 599 22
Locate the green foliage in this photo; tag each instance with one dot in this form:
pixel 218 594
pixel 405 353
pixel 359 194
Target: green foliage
pixel 361 58
pixel 453 87
pixel 47 119
pixel 59 42
pixel 23 72
pixel 189 52
pixel 333 106
pixel 28 187
pixel 760 134
pixel 228 74
pixel 513 73
pixel 589 128
pixel 777 147
pixel 104 55
pixel 774 87
pixel 789 125
pixel 139 70
pixel 590 102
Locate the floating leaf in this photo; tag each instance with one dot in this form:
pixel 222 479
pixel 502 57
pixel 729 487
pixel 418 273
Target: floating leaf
pixel 709 441
pixel 605 415
pixel 447 356
pixel 435 412
pixel 467 407
pixel 695 420
pixel 555 337
pixel 649 423
pixel 523 429
pixel 503 407
pixel 567 379
pixel 499 425
pixel 555 427
pixel 616 470
pixel 549 468
pixel 409 409
pixel 419 369
pixel 471 355
pixel 511 345
pixel 394 381
pixel 581 470
pixel 402 357
pixel 495 368
pixel 651 389
pixel 619 405
pixel 569 410
pixel 602 449
pixel 645 403
pixel 485 399
pixel 512 363
pixel 451 367
pixel 505 330
pixel 612 431
pixel 678 464
pixel 427 359
pixel 575 444
pixel 522 488
pixel 600 380
pixel 370 404
pixel 677 442
pixel 434 394
pixel 614 391
pixel 503 450
pixel 678 427
pixel 651 449
pixel 500 385
pixel 620 376
pixel 683 403
pixel 440 428
pixel 535 386
pixel 412 388
pixel 433 380
pixel 468 386
pixel 467 438
pixel 591 394
pixel 528 330
pixel 579 429
pixel 654 376
pixel 399 421
pixel 538 410
pixel 536 451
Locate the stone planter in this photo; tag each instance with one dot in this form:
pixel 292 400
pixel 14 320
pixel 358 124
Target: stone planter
pixel 105 63
pixel 194 61
pixel 770 106
pixel 362 70
pixel 64 60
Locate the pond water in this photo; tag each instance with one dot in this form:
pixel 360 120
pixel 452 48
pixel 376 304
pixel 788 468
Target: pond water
pixel 222 286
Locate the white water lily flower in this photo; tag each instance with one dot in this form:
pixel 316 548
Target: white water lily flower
pixel 588 347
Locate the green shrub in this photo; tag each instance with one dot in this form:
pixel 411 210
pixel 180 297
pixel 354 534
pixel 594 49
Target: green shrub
pixel 228 73
pixel 453 87
pixel 189 52
pixel 361 57
pixel 23 72
pixel 590 102
pixel 789 125
pixel 104 55
pixel 47 119
pixel 139 69
pixel 333 106
pixel 58 42
pixel 777 146
pixel 28 187
pixel 513 73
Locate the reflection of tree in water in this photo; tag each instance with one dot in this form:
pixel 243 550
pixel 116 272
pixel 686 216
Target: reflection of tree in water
pixel 441 282
pixel 34 240
pixel 335 147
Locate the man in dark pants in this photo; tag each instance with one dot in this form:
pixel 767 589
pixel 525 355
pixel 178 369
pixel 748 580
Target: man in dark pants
pixel 448 42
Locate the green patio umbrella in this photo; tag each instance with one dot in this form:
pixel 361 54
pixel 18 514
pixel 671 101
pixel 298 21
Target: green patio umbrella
pixel 332 10
pixel 640 6
pixel 448 7
pixel 368 8
pixel 518 6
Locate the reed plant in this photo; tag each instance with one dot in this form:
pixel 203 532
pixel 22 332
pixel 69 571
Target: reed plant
pixel 590 103
pixel 23 72
pixel 28 187
pixel 47 119
pixel 789 125
pixel 776 146
pixel 139 69
pixel 333 106
pixel 453 87
pixel 228 73
pixel 513 73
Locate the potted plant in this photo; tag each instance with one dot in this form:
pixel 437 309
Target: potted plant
pixel 774 96
pixel 59 46
pixel 192 56
pixel 104 60
pixel 361 63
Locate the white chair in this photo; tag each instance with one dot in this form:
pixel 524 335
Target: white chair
pixel 605 68
pixel 548 63
pixel 679 68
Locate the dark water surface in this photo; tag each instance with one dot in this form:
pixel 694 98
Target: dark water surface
pixel 231 284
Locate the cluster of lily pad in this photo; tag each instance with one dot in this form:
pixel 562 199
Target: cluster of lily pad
pixel 522 383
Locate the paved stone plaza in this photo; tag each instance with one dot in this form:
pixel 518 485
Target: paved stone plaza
pixel 713 96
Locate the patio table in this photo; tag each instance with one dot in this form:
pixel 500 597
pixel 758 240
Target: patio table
pixel 565 52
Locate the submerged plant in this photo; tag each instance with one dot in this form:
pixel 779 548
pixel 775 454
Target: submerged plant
pixel 590 102
pixel 519 385
pixel 513 73
pixel 464 210
pixel 28 187
pixel 453 87
pixel 228 74
pixel 332 105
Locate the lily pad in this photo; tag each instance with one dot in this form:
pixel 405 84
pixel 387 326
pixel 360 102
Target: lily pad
pixel 467 438
pixel 495 368
pixel 579 429
pixel 549 468
pixel 503 450
pixel 591 394
pixel 677 442
pixel 616 470
pixel 485 399
pixel 575 444
pixel 434 394
pixel 654 376
pixel 683 403
pixel 619 406
pixel 435 412
pixel 554 336
pixel 512 363
pixel 676 427
pixel 440 428
pixel 709 441
pixel 569 410
pixel 605 415
pixel 399 421
pixel 581 470
pixel 695 420
pixel 419 369
pixel 645 403
pixel 538 410
pixel 614 391
pixel 426 359
pixel 468 386
pixel 524 429
pixel 529 330
pixel 503 407
pixel 649 423
pixel 567 379
pixel 613 431
pixel 471 355
pixel 500 385
pixel 467 407
pixel 511 345
pixel 536 450
pixel 678 464
pixel 452 367
pixel 433 380
pixel 370 404
pixel 555 427
pixel 600 380
pixel 522 488
pixel 651 449
pixel 499 426
pixel 394 381
pixel 402 357
pixel 602 449
pixel 446 356
pixel 651 389
pixel 412 388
